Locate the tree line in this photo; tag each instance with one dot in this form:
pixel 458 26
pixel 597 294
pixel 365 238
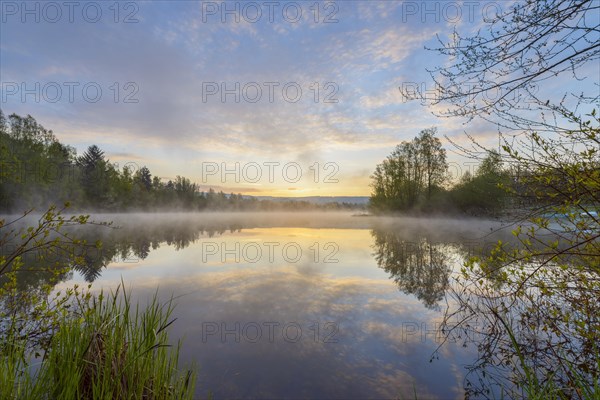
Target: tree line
pixel 415 177
pixel 36 169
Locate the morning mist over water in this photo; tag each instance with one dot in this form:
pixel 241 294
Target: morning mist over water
pixel 299 304
pixel 359 199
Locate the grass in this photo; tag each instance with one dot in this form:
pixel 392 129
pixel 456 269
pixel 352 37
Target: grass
pixel 106 350
pixel 581 386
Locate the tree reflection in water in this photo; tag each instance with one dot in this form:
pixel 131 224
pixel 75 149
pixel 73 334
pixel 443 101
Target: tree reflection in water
pixel 419 260
pixel 117 244
pixel 419 267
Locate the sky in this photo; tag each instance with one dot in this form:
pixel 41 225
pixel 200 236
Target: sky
pixel 261 98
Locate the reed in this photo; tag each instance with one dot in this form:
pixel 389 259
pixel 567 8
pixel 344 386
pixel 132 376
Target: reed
pixel 108 348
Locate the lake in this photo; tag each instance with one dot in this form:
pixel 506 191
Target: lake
pixel 300 305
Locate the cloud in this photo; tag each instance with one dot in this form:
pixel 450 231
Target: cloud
pixel 123 156
pixel 163 61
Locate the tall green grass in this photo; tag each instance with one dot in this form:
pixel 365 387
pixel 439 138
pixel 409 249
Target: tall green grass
pixel 107 349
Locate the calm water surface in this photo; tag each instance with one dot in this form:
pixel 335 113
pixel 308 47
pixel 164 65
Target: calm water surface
pixel 300 305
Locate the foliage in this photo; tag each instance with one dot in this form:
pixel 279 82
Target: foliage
pixel 37 170
pixel 408 177
pixel 30 310
pixel 91 347
pixel 413 177
pixel 485 192
pixel 554 273
pixel 535 303
pixel 34 165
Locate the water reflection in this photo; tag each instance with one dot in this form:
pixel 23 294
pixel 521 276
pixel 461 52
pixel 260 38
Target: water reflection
pixel 125 243
pixel 419 267
pixel 377 343
pixel 287 327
